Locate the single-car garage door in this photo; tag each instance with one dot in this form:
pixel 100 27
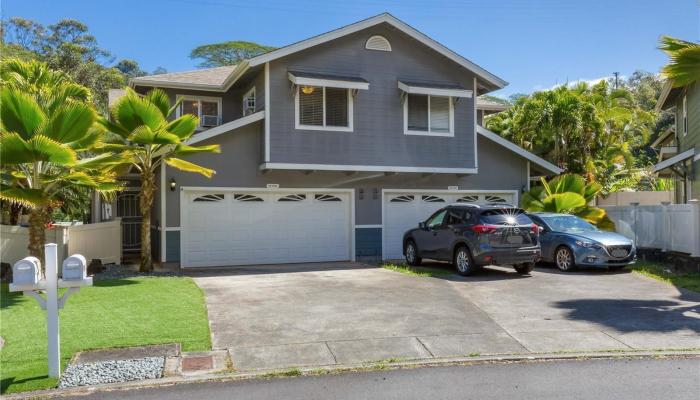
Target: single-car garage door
pixel 245 227
pixel 403 210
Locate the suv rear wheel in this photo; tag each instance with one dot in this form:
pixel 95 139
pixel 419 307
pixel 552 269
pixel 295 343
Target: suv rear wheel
pixel 463 262
pixel 412 254
pixel 524 268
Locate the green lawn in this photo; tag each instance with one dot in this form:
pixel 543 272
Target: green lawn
pixel 420 271
pixel 686 280
pixel 116 313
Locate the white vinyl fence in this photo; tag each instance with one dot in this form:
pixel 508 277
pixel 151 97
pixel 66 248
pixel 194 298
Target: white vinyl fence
pixel 669 227
pixel 101 241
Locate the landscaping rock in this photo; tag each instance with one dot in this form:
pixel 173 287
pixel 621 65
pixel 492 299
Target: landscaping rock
pixel 114 271
pixel 95 267
pixel 112 371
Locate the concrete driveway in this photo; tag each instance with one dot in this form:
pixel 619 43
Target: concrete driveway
pixel 347 313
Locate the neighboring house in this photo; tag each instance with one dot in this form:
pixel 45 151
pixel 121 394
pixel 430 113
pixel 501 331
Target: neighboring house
pixel 679 146
pixel 332 147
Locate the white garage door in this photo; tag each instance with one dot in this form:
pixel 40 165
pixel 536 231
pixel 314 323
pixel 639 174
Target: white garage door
pixel 244 227
pixel 403 210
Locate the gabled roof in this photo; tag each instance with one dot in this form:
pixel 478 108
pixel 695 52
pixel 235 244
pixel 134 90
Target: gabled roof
pixel 208 78
pixel 668 93
pixel 518 150
pixel 663 136
pixel 240 69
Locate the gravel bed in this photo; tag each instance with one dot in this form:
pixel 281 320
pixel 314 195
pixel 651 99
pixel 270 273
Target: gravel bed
pixel 112 371
pixel 114 271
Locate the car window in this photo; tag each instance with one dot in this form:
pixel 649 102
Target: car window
pixel 569 224
pixel 505 216
pixel 454 217
pixel 436 219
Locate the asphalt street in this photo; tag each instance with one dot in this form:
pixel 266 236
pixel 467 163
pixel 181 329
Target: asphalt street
pixel 620 379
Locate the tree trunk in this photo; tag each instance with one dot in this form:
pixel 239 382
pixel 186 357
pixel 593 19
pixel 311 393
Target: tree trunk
pixel 15 210
pixel 37 235
pixel 146 202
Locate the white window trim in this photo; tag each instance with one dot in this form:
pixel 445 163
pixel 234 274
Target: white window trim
pixel 684 116
pixel 244 104
pixel 333 83
pixel 178 112
pixel 407 131
pixel 297 119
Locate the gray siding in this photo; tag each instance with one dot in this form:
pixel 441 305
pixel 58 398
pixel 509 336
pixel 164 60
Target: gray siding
pixel 368 242
pixel 377 138
pixel 237 166
pixel 172 249
pixel 692 139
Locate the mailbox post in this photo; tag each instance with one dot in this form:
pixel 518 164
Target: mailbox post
pixel 25 279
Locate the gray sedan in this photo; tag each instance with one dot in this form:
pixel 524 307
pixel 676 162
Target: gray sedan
pixel 568 241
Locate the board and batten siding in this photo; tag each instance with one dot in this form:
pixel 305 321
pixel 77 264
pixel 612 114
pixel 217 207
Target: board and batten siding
pixel 692 139
pixel 378 136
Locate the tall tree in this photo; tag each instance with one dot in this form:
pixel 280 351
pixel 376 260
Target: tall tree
pixel 684 66
pixel 46 133
pixel 143 132
pixel 68 46
pixel 227 53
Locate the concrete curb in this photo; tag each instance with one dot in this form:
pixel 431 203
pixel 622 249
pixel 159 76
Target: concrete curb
pixel 361 367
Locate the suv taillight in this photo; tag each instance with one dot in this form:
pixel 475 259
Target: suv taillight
pixel 484 228
pixel 536 228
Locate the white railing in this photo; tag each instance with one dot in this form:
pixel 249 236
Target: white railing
pixel 101 241
pixel 668 227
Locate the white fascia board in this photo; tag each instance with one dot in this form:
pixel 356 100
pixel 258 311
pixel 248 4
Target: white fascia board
pixel 665 90
pixel 663 137
pixel 334 83
pixel 435 91
pixel 378 19
pixel 175 85
pixel 518 150
pixel 365 168
pixel 229 126
pixel 673 160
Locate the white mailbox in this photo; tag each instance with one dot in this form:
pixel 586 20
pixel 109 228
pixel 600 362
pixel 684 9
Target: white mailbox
pixel 26 272
pixel 74 268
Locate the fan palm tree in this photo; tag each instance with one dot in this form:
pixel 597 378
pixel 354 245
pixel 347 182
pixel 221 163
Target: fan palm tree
pixel 47 127
pixel 684 66
pixel 142 132
pixel 569 194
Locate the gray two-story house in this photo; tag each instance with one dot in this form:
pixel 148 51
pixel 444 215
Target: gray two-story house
pixel 331 148
pixel 679 146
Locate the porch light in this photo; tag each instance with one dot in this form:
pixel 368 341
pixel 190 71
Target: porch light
pixel 173 184
pixel 307 89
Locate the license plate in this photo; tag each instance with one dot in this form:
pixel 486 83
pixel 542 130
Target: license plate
pixel 514 239
pixel 619 253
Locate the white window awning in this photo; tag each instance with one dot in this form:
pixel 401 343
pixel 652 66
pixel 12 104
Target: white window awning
pixel 435 89
pixel 336 81
pixel 674 160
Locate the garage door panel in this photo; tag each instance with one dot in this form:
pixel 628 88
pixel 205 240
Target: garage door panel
pixel 255 227
pixel 404 210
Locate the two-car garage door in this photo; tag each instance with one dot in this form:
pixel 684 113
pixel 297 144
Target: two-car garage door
pixel 242 227
pixel 403 210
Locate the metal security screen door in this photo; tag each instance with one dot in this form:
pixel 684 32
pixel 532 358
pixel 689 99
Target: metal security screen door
pixel 130 213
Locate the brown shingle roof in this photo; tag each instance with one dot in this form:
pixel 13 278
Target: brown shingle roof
pixel 207 76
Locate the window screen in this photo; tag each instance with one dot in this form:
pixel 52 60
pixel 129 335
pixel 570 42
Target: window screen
pixel 336 107
pixel 417 112
pixel 439 114
pixel 311 105
pixel 190 107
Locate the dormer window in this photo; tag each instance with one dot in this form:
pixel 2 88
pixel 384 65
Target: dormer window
pixel 207 109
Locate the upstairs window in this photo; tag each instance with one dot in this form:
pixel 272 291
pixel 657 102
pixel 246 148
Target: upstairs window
pixel 249 102
pixel 685 115
pixel 428 115
pixel 323 108
pixel 207 109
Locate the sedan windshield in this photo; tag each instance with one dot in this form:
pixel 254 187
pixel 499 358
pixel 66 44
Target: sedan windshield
pixel 569 224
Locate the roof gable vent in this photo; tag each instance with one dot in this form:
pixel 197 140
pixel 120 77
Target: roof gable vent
pixel 377 42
